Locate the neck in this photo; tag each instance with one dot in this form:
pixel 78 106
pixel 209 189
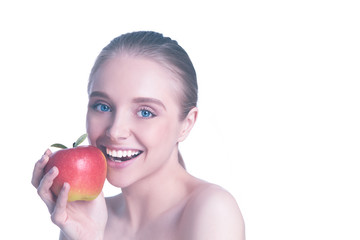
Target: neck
pixel 150 197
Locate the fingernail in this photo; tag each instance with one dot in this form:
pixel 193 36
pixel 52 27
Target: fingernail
pixel 52 170
pixel 46 152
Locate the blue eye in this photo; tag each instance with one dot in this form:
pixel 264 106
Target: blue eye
pixel 102 107
pixel 143 113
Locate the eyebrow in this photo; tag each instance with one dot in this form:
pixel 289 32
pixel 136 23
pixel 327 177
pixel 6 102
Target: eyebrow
pixel 135 100
pixel 98 94
pixel 149 100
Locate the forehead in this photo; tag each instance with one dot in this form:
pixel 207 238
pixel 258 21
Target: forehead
pixel 130 76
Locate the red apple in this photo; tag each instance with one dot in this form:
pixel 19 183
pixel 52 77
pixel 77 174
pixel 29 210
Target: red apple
pixel 83 167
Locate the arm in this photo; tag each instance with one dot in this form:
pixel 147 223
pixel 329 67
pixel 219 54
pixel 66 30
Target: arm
pixel 213 214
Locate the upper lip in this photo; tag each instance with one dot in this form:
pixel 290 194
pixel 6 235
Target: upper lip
pixel 121 148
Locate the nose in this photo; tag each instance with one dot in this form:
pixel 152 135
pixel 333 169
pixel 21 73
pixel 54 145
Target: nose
pixel 119 129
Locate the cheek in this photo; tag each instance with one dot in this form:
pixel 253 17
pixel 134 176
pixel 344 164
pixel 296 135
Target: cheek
pixel 159 135
pixel 94 128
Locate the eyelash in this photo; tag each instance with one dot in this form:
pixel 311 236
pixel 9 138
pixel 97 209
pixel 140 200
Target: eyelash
pixel 97 107
pixel 146 109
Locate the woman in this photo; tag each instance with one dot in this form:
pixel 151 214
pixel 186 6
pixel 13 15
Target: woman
pixel 142 103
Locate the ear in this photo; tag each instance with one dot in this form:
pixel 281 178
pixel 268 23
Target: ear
pixel 188 123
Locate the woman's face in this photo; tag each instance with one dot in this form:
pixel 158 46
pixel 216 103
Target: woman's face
pixel 133 117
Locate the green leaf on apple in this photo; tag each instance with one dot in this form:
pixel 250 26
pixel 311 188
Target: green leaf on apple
pixel 59 145
pixel 75 144
pixel 80 140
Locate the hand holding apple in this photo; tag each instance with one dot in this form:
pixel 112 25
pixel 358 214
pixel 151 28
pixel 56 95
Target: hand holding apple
pixel 83 167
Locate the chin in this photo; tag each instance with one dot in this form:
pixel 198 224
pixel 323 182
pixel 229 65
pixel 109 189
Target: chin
pixel 118 181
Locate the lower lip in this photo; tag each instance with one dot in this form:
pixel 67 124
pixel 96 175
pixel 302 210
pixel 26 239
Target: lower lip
pixel 119 165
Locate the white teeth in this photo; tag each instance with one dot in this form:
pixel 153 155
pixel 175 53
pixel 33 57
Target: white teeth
pixel 121 153
pixel 113 153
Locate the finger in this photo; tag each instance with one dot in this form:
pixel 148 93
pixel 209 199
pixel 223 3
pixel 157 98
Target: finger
pixel 59 214
pixel 44 188
pixel 38 171
pixel 48 152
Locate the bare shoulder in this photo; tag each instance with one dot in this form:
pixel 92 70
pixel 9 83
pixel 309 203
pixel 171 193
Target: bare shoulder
pixel 212 213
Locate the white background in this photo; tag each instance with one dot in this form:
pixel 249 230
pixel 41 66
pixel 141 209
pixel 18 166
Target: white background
pixel 279 103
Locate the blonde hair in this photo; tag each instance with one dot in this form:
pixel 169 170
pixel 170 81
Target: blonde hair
pixel 163 50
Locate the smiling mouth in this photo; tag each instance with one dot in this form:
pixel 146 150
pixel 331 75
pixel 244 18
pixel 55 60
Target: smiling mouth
pixel 122 155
